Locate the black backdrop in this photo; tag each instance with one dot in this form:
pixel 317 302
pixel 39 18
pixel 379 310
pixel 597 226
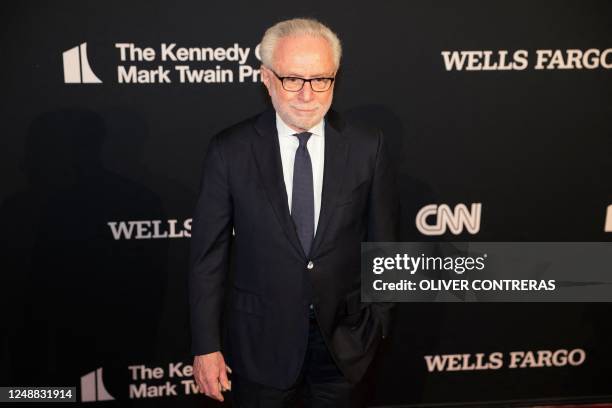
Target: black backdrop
pixel 533 146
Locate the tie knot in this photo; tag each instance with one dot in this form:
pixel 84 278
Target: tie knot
pixel 303 138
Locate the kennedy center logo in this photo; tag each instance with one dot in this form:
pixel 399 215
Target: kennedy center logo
pixel 92 387
pixel 76 67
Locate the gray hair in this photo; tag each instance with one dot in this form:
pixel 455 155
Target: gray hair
pixel 295 27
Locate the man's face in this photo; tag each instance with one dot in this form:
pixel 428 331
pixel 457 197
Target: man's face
pixel 304 57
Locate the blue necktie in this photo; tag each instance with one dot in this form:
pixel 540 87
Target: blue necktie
pixel 302 197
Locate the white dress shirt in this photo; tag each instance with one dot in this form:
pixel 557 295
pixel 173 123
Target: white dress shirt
pixel 316 149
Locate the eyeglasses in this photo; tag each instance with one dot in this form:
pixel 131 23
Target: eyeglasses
pixel 295 84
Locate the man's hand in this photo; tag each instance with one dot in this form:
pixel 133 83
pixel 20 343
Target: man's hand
pixel 210 373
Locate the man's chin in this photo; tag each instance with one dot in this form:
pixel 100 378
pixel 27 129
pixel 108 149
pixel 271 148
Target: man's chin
pixel 309 118
pixel 304 123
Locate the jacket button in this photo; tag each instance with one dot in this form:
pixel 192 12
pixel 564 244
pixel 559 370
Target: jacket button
pixel 310 265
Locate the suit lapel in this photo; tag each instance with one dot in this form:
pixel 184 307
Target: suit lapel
pixel 267 154
pixel 334 164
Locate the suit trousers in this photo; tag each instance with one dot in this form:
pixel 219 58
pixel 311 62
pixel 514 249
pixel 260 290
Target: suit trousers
pixel 319 384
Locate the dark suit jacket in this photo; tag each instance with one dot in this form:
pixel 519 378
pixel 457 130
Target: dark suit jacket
pixel 267 321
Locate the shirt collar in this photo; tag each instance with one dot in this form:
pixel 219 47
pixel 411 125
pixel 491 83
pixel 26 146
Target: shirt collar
pixel 284 130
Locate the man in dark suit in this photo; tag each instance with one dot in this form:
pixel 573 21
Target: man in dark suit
pixel 301 188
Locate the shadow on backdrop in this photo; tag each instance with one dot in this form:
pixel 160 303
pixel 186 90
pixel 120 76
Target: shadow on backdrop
pixel 80 298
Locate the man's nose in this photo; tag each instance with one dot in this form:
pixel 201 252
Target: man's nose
pixel 306 93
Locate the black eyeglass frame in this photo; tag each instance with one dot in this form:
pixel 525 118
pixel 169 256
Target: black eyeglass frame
pixel 304 80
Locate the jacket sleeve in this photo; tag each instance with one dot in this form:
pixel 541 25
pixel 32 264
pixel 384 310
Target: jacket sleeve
pixel 383 217
pixel 210 244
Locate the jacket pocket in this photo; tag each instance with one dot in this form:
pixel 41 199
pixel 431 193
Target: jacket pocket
pixel 246 302
pixel 354 194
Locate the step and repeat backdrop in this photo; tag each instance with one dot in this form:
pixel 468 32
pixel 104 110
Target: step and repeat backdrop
pixel 499 118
